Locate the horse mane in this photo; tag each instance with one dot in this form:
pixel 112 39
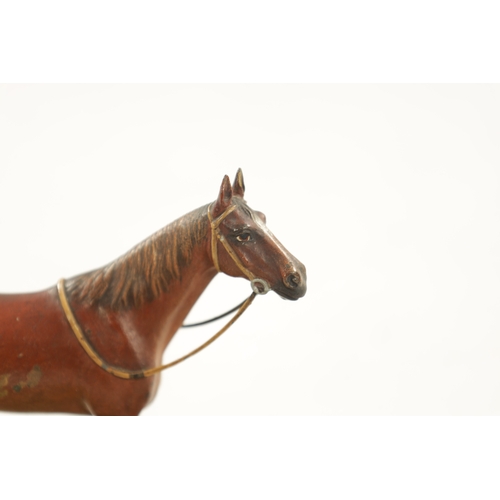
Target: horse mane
pixel 146 271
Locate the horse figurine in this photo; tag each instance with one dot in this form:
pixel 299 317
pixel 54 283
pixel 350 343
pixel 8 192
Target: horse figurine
pixel 93 344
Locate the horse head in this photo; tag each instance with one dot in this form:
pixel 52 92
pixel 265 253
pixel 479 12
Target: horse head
pixel 243 246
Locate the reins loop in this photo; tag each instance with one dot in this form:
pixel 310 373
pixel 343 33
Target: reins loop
pixel 259 287
pixel 135 374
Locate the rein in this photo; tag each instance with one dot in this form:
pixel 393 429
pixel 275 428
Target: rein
pixel 211 320
pixel 259 287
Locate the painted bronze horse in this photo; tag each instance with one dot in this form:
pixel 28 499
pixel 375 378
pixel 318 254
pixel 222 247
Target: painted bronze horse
pixel 93 344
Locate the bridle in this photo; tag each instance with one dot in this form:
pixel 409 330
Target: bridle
pixel 123 373
pixel 218 236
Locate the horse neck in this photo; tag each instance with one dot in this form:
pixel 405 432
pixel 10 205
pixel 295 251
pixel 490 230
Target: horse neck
pixel 156 321
pixel 149 291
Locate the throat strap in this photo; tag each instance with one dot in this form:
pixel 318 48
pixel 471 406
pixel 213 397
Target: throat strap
pixel 134 374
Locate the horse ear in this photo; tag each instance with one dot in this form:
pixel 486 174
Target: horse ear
pixel 224 199
pixel 239 184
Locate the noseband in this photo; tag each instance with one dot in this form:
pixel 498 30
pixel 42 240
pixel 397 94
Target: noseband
pixel 137 374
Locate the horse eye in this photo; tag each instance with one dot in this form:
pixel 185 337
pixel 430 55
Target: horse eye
pixel 244 237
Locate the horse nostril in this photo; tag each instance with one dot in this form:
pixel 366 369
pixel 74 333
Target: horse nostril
pixel 292 280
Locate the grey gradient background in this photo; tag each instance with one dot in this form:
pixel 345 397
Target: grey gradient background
pixel 389 194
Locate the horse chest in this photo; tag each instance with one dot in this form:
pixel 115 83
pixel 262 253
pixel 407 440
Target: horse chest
pixel 43 368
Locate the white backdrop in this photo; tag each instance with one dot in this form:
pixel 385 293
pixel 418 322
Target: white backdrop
pixel 389 194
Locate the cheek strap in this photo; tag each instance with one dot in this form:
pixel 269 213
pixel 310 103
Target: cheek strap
pixel 217 235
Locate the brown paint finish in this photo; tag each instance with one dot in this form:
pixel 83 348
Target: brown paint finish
pixel 129 311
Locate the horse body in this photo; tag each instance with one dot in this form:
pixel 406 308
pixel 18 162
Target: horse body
pixel 129 312
pixel 36 339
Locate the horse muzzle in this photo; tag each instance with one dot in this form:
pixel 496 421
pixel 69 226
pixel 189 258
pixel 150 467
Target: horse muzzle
pixel 295 283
